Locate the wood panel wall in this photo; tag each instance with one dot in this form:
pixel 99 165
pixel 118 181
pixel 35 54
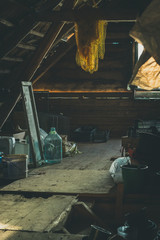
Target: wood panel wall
pixel 114 114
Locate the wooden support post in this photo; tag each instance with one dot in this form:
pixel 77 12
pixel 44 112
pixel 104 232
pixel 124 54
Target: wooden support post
pixel 20 31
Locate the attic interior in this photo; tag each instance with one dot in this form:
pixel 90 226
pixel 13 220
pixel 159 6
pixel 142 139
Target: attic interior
pixel 107 115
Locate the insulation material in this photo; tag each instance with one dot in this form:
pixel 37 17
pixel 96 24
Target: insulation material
pixel 146 74
pixel 90 39
pixel 147 30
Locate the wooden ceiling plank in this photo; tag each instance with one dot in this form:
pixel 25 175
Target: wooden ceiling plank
pixel 18 34
pixel 21 31
pixel 25 46
pixel 31 64
pixel 12 59
pixel 36 33
pixel 6 22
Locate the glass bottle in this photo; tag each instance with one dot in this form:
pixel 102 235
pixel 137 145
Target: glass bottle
pixel 53 147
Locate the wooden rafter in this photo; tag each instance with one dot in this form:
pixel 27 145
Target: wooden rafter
pixel 30 69
pixel 42 51
pixel 64 33
pixel 18 33
pixel 51 61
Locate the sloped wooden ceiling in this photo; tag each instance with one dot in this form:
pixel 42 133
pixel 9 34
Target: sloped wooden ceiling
pixel 33 45
pixel 113 72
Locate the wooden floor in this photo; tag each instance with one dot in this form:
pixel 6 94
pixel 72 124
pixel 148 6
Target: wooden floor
pixel 15 235
pixel 38 217
pixel 85 172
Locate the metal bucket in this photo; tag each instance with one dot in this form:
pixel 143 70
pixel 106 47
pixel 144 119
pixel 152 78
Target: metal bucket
pixel 134 178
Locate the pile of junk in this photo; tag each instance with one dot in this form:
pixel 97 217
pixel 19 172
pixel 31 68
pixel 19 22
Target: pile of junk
pixel 90 134
pixel 16 153
pixel 137 226
pixel 139 169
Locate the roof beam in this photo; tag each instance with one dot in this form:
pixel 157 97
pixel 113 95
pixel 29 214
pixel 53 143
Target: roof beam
pixel 18 33
pixel 51 61
pixel 64 33
pixel 111 15
pixel 30 69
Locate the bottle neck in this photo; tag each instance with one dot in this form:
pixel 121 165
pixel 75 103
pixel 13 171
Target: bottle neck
pixel 53 130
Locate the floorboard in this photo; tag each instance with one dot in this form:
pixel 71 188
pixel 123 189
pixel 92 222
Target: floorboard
pixel 17 235
pixel 40 217
pixel 85 172
pixel 35 214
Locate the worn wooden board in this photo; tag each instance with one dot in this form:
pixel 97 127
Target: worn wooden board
pixel 93 156
pixel 17 235
pixel 64 181
pixel 86 172
pixel 34 214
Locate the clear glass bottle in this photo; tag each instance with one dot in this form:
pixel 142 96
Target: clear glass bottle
pixel 53 147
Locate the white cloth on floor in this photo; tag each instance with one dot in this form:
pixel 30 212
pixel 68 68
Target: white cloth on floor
pixel 116 170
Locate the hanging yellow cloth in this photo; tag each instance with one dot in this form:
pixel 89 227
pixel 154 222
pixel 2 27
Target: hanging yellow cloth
pixel 90 39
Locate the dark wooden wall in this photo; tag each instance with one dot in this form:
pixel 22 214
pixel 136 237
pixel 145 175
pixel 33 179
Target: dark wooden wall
pixel 114 114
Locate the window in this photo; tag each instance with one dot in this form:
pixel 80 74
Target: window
pixel 140 49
